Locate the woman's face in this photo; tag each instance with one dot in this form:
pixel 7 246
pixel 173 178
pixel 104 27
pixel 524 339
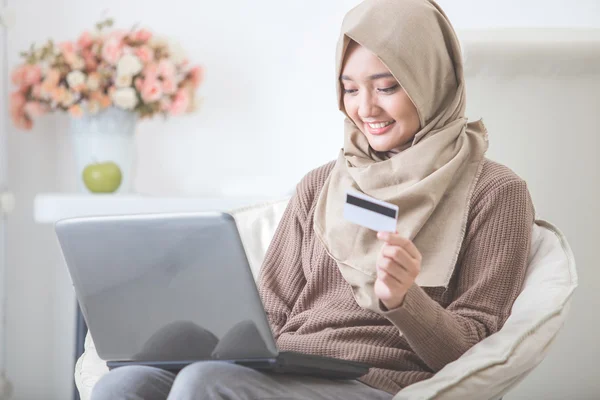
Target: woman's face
pixel 376 102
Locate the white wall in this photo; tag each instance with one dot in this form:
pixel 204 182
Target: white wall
pixel 269 111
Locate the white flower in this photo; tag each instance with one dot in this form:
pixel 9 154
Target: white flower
pixel 125 98
pixel 129 64
pixel 93 82
pixel 123 81
pixel 75 79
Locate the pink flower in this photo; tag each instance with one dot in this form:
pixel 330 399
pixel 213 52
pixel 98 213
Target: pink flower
pixel 112 50
pixel 166 69
pixel 138 83
pixel 145 54
pixel 151 90
pixel 17 101
pixel 90 60
pixel 18 75
pixel 85 40
pixel 181 103
pixel 142 35
pixel 169 86
pixel 151 71
pixel 35 109
pixel 197 76
pixel 68 51
pixel 36 91
pixel 32 75
pixel 20 120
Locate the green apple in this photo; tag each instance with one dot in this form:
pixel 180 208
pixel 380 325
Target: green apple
pixel 102 177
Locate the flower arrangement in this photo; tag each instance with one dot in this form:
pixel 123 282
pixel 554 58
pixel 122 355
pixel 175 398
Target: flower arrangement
pixel 130 69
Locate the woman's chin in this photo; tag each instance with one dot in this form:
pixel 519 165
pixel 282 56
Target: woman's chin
pixel 381 147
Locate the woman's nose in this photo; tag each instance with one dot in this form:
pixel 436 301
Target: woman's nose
pixel 367 106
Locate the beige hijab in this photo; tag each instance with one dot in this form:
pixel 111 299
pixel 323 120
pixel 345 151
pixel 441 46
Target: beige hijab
pixel 431 180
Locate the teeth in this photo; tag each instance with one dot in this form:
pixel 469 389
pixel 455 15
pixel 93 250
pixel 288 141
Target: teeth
pixel 381 125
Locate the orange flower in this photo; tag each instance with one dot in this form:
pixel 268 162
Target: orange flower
pixel 76 111
pixel 50 82
pixel 58 94
pixel 102 99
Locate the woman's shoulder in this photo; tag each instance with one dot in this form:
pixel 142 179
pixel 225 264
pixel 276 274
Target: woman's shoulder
pixel 309 187
pixel 493 178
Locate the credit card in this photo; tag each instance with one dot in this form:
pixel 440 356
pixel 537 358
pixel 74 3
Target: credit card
pixel 369 212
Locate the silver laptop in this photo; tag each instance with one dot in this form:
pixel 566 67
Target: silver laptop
pixel 168 290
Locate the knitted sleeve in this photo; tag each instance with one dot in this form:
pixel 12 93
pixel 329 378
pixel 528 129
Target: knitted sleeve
pixel 489 278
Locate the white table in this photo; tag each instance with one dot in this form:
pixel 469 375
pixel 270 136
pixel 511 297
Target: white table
pixel 51 207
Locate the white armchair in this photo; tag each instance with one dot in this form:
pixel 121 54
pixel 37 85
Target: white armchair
pixel 490 368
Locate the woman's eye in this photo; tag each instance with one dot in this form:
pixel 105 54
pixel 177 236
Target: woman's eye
pixel 349 91
pixel 389 89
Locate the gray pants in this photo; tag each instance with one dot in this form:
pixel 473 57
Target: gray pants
pixel 214 380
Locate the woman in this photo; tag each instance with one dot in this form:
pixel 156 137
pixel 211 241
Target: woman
pixel 406 303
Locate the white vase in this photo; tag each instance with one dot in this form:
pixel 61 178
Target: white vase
pixel 103 137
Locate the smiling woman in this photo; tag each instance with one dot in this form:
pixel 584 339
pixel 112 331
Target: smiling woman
pixel 376 102
pixel 407 303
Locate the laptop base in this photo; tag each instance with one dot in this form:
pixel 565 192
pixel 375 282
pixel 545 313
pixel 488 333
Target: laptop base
pixel 285 363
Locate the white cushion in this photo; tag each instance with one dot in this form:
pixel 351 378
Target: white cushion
pixel 489 368
pixel 88 369
pixel 499 362
pixel 256 225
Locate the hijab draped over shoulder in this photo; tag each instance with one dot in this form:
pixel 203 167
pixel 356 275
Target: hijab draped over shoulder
pixel 432 179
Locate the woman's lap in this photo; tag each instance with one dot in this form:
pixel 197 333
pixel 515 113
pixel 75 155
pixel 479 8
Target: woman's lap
pixel 217 380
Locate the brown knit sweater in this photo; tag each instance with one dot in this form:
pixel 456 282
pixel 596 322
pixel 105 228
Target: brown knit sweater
pixel 311 308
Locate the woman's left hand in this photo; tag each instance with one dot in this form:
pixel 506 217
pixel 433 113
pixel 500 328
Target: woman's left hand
pixel 398 265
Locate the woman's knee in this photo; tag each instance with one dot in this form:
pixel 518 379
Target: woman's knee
pixel 207 380
pixel 134 382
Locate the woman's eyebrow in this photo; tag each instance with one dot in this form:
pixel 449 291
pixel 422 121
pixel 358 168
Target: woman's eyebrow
pixel 371 78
